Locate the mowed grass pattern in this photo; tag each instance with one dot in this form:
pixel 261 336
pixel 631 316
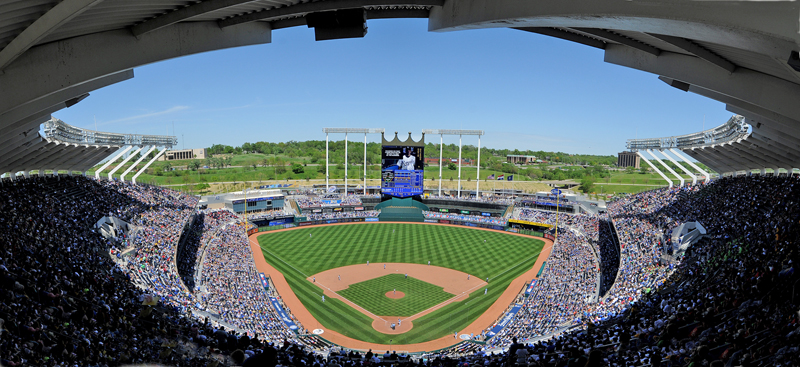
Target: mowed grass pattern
pixel 302 252
pixel 419 295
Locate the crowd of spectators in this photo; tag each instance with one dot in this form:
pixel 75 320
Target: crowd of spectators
pixel 727 301
pixel 63 301
pixel 233 289
pixel 495 199
pixel 343 214
pixel 585 223
pixel 203 229
pixel 466 218
pixel 313 201
pixel 152 262
pixel 269 214
pixel 563 294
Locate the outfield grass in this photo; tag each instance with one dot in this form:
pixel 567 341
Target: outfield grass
pixel 419 295
pixel 502 258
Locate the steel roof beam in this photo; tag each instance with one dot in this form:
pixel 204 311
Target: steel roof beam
pixel 776 147
pixel 397 13
pixel 88 151
pixel 724 157
pixel 51 154
pixel 89 163
pixel 697 50
pixel 743 156
pixel 17 141
pixel 702 155
pixel 184 13
pixel 611 36
pixel 568 36
pixel 748 86
pixel 712 165
pixel 760 152
pixel 320 6
pixel 70 152
pixel 98 156
pixel 21 155
pixel 28 158
pixel 48 70
pixel 61 13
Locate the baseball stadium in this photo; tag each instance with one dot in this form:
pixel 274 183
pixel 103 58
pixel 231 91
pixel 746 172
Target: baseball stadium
pixel 118 248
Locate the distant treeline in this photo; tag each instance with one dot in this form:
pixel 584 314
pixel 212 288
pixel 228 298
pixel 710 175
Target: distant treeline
pixel 314 150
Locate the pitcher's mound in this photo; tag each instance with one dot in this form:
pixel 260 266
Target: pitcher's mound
pixel 395 295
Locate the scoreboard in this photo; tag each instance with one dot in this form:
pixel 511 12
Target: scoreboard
pixel 402 183
pixel 402 173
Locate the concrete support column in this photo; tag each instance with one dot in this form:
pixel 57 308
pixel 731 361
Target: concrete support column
pixel 681 157
pixel 121 153
pixel 133 179
pixel 665 166
pixel 692 175
pixel 654 168
pixel 111 174
pixel 122 177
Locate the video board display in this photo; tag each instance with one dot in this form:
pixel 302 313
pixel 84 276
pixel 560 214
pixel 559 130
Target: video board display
pixel 402 172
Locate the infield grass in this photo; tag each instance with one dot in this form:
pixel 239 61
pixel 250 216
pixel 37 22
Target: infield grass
pixel 502 258
pixel 419 295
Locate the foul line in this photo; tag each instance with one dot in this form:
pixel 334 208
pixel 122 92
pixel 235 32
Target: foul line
pixel 290 265
pixel 320 284
pixel 450 300
pixel 353 303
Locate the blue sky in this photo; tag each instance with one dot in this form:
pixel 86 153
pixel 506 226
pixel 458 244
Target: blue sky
pixel 526 91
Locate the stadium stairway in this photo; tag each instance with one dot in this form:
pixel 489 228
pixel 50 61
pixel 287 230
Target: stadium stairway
pixel 66 188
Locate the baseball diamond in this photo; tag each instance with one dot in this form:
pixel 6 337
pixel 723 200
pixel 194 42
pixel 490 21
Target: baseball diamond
pixel 371 295
pixel 440 298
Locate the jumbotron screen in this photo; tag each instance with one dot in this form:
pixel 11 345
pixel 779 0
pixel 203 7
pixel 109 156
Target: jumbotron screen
pixel 402 171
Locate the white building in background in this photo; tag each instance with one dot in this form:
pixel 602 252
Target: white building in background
pixel 172 155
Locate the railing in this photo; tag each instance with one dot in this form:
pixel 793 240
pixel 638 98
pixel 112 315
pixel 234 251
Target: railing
pixel 736 128
pixel 55 129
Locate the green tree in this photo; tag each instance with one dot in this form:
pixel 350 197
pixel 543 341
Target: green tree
pixel 452 166
pixel 630 169
pixel 194 165
pixel 203 187
pixel 643 170
pixel 587 184
pixel 297 168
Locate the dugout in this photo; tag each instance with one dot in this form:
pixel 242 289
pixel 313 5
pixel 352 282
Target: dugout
pixel 525 225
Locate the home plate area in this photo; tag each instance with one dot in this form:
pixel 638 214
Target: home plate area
pixel 394 294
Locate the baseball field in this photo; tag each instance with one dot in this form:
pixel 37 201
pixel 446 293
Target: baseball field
pixel 374 282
